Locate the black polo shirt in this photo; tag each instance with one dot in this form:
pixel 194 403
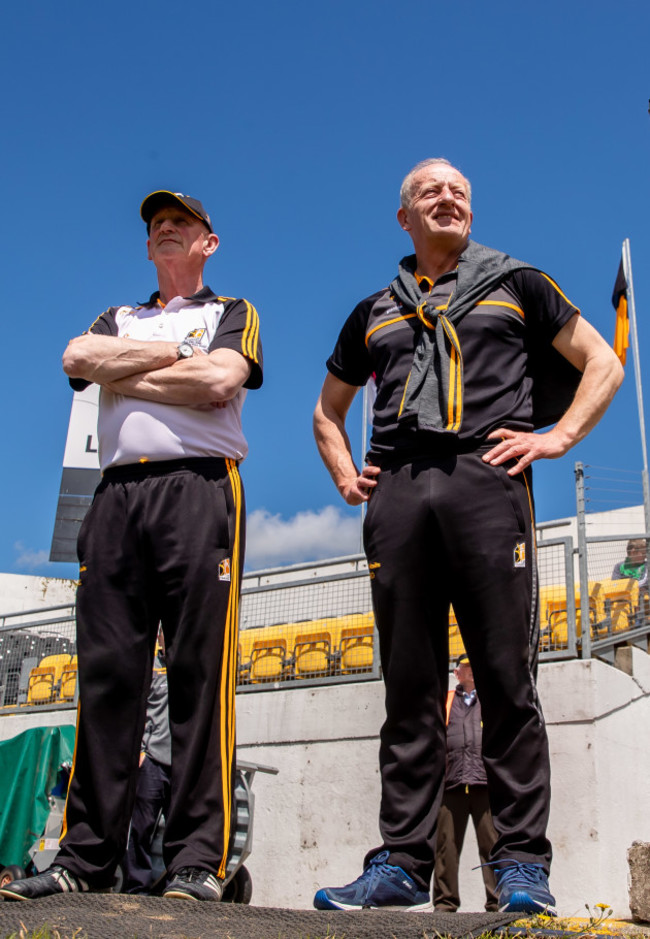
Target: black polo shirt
pixel 379 337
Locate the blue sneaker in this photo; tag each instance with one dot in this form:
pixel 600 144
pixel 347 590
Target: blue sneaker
pixel 381 886
pixel 523 888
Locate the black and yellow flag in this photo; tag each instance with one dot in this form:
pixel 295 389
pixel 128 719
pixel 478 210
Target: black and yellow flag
pixel 622 328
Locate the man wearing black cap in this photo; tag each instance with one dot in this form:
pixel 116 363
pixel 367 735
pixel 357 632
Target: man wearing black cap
pixel 163 542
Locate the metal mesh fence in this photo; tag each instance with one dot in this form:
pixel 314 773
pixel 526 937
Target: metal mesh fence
pixel 557 606
pixel 619 602
pixel 307 624
pixel 38 664
pixel 613 562
pixel 313 624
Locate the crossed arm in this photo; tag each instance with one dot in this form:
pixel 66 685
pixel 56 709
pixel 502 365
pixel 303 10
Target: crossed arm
pixel 153 372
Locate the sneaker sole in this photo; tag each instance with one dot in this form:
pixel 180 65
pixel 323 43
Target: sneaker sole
pixel 8 895
pixel 417 908
pixel 180 895
pixel 324 903
pixel 524 903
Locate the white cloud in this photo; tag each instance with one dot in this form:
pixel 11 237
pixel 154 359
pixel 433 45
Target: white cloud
pixel 307 536
pixel 270 539
pixel 29 559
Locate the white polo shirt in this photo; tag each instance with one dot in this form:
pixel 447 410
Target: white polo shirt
pixel 131 430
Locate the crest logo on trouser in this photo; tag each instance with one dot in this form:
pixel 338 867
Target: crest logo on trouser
pixel 520 554
pixel 224 569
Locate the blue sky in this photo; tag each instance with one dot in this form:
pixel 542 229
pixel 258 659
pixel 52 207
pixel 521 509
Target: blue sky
pixel 294 123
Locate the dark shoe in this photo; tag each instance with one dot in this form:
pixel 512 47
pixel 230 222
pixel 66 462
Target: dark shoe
pixel 523 888
pixel 381 886
pixel 193 883
pixel 54 880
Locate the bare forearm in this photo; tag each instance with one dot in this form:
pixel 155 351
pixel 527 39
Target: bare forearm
pixel 201 380
pixel 601 376
pixel 105 359
pixel 600 382
pixel 334 447
pixel 334 444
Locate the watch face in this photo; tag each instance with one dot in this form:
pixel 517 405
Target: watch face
pixel 185 351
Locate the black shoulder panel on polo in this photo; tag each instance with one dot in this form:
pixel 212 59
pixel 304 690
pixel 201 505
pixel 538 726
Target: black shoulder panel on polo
pixel 104 325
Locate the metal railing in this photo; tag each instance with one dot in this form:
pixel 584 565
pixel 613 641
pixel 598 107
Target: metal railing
pixel 28 639
pixel 312 624
pixel 618 607
pixel 307 624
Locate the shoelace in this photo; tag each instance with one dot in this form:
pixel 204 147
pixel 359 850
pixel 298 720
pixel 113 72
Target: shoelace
pixel 190 873
pixel 374 871
pixel 507 869
pixel 521 873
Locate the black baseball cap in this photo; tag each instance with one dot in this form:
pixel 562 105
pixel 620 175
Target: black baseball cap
pixel 156 200
pixel 462 660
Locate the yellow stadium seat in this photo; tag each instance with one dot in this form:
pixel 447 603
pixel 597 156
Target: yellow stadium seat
pixel 553 606
pixel 68 682
pixel 456 645
pixel 312 654
pixel 618 605
pixel 268 659
pixel 57 662
pixel 42 685
pixel 339 626
pixel 245 646
pixel 356 647
pixel 243 666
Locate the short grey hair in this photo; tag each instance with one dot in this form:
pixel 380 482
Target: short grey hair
pixel 406 189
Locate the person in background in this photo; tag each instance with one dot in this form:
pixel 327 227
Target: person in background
pixel 466 795
pixel 635 564
pixel 154 782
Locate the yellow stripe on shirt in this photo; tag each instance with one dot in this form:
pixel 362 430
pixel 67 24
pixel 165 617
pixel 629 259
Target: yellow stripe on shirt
pixel 251 332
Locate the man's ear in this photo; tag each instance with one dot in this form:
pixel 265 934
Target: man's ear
pixel 149 258
pixel 403 219
pixel 210 244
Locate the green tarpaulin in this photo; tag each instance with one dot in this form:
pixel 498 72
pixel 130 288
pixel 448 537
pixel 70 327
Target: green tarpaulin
pixel 29 764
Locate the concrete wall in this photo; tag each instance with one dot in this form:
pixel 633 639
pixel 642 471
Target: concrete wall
pixel 24 592
pixel 315 820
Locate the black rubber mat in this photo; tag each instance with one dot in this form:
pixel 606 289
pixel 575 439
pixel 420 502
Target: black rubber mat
pixel 113 916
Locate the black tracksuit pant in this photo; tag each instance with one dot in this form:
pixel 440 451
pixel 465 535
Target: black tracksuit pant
pixel 457 530
pixel 162 542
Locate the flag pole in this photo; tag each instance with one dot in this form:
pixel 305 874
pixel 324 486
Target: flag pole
pixel 627 268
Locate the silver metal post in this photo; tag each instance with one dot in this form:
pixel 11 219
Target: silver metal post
pixel 583 567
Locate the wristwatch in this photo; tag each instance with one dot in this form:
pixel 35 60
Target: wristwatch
pixel 185 350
